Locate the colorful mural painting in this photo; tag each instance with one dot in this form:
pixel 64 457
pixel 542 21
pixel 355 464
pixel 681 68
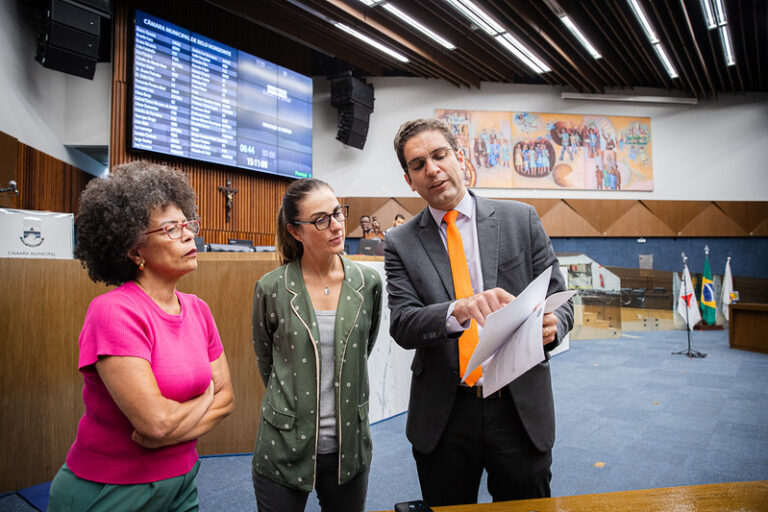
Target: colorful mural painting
pixel 553 151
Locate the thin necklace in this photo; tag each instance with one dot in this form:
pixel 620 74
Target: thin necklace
pixel 326 290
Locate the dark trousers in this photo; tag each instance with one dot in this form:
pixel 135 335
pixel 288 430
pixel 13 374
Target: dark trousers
pixel 272 496
pixel 483 434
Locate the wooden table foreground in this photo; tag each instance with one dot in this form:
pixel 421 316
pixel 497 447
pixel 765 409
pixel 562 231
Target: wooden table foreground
pixel 728 497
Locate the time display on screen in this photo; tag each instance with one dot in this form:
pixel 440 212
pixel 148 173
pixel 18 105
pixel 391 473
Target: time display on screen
pixel 194 97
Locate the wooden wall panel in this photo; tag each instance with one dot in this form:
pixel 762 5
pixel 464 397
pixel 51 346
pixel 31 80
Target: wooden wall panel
pixel 600 214
pixel 712 221
pixel 562 220
pixel 8 164
pixel 639 220
pixel 676 214
pixel 47 183
pixel 628 218
pixel 748 215
pixel 44 304
pixel 226 284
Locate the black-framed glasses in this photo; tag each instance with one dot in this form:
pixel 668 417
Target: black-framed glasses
pixel 417 164
pixel 323 222
pixel 175 229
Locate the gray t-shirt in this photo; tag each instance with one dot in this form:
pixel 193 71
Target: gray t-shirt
pixel 327 441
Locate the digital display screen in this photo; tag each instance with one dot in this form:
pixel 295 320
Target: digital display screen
pixel 197 98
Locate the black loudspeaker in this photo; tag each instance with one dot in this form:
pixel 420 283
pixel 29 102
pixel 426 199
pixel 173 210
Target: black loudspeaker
pixel 353 125
pixel 68 40
pixel 348 89
pixel 353 99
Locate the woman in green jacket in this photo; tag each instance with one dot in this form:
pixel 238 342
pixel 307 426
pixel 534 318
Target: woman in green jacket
pixel 315 320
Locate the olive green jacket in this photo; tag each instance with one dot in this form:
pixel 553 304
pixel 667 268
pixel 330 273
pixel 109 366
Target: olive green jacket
pixel 285 338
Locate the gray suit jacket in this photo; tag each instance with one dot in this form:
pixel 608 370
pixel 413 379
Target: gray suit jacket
pixel 514 249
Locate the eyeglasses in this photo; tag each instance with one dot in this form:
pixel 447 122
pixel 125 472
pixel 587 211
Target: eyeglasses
pixel 323 222
pixel 417 164
pixel 174 230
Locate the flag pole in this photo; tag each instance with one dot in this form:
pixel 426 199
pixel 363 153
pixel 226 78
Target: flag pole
pixel 690 352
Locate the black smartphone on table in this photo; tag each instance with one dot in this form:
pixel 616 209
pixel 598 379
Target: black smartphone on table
pixel 412 506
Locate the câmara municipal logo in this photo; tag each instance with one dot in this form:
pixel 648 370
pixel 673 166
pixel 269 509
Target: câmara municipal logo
pixel 32 234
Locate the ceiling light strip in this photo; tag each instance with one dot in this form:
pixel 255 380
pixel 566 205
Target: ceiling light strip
pixel 720 13
pixel 714 17
pixel 581 37
pixel 671 71
pixel 643 19
pixel 500 34
pixel 418 26
pixel 525 51
pixel 725 39
pixel 653 38
pixel 709 14
pixel 517 53
pixel 372 42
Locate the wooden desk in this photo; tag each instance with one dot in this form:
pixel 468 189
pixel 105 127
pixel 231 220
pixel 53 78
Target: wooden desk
pixel 748 325
pixel 737 496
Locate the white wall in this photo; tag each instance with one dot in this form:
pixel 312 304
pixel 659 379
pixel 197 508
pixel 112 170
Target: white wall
pixel 48 109
pixel 710 151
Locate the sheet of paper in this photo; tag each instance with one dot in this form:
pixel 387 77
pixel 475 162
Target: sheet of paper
pixel 556 300
pixel 522 352
pixel 500 324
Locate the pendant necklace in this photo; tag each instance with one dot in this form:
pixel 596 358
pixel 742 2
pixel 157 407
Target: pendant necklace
pixel 326 290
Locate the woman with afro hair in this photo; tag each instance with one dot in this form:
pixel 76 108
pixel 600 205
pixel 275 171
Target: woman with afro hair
pixel 154 370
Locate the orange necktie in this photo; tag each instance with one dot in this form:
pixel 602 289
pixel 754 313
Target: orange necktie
pixel 462 287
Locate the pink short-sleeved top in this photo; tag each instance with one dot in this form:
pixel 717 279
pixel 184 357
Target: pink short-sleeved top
pixel 179 348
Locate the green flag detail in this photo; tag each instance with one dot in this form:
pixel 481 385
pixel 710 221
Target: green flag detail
pixel 707 303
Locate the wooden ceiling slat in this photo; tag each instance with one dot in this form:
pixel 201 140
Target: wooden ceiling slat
pixel 673 47
pixel 586 68
pixel 712 91
pixel 628 59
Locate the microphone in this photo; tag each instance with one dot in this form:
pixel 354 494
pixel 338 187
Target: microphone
pixel 10 188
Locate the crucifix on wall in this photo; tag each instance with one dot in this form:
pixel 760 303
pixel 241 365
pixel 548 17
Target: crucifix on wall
pixel 229 194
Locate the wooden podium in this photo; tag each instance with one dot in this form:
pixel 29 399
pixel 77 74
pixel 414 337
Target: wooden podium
pixel 749 324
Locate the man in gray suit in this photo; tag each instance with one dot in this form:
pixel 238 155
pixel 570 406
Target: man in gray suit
pixel 454 432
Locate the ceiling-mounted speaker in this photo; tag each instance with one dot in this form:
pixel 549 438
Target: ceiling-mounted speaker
pixel 353 99
pixel 68 39
pixel 348 89
pixel 353 122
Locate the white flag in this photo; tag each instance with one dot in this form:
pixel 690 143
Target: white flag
pixel 727 288
pixel 687 301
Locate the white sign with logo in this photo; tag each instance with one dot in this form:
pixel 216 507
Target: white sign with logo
pixel 32 234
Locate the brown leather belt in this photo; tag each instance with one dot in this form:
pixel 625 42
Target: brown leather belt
pixel 477 392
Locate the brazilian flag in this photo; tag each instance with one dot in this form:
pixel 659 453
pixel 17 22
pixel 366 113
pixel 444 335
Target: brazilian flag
pixel 707 303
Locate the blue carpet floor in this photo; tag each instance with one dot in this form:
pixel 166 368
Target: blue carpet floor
pixel 630 415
